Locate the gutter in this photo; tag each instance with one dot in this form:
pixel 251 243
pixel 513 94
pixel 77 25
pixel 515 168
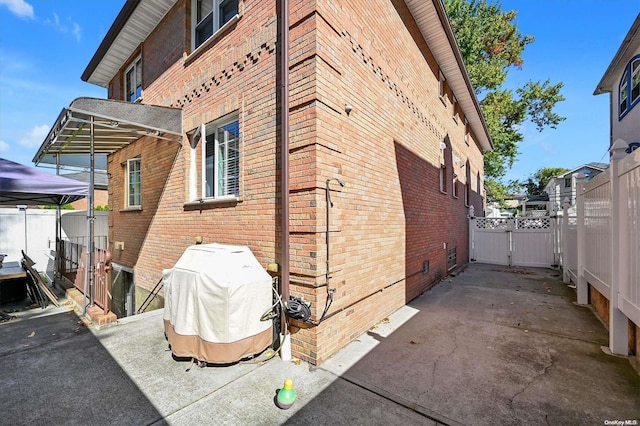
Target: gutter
pixel 122 18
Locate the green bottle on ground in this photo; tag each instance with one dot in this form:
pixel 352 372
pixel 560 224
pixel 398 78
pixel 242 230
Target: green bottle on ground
pixel 286 395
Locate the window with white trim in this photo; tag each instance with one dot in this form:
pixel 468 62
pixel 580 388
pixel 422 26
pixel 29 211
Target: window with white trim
pixel 133 81
pixel 466 131
pixel 208 16
pixel 133 184
pixel 221 159
pixel 441 85
pixel 443 178
pixel 635 80
pixel 454 187
pixel 629 87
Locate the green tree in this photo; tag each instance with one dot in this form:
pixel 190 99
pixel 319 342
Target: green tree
pixel 491 46
pixel 536 182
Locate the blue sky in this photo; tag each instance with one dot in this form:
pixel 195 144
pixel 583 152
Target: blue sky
pixel 45 46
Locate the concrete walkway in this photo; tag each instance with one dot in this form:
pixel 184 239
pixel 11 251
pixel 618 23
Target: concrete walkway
pixel 491 346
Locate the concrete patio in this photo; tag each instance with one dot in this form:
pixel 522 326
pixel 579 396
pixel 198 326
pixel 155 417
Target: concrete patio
pixel 489 346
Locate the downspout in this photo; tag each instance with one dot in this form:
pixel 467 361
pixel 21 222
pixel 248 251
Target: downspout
pixel 284 149
pixel 285 337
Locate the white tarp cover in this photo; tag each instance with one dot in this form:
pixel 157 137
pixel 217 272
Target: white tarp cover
pixel 217 292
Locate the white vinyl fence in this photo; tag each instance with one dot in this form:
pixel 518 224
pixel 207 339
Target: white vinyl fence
pixel 34 231
pixel 602 247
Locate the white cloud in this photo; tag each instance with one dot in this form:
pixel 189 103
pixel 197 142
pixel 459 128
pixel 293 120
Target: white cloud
pixel 76 31
pixel 35 136
pixel 68 27
pixel 19 8
pixel 4 147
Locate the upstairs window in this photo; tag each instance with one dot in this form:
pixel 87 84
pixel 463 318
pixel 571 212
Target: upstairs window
pixel 441 89
pixel 209 16
pixel 221 159
pixel 133 188
pixel 567 182
pixel 443 178
pixel 133 81
pixel 635 80
pixel 629 87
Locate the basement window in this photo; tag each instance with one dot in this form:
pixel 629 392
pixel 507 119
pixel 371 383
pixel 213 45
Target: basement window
pixel 452 260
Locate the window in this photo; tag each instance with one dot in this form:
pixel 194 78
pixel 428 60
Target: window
pixel 133 189
pixel 478 183
pixel 441 85
pixel 567 182
pixel 133 81
pixel 466 132
pixel 623 95
pixel 635 80
pixel 443 178
pixel 454 186
pixel 209 16
pixel 629 87
pixel 221 159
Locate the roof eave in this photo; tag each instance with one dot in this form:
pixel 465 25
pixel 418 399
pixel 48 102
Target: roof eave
pixel 119 43
pixel 442 42
pixel 629 44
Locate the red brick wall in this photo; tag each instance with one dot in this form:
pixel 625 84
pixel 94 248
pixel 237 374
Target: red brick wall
pixel 388 219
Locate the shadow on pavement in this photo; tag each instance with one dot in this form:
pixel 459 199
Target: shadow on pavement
pixel 54 369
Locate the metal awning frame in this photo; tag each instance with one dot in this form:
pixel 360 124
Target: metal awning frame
pixel 90 127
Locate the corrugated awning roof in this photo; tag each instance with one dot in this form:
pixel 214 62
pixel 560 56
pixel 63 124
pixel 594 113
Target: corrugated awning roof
pixel 110 125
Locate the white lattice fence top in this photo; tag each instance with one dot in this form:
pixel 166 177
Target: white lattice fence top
pixel 533 222
pixel 491 223
pixel 513 223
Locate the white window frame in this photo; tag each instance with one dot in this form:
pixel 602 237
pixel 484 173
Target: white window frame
pixel 443 178
pixel 127 188
pixel 466 131
pixel 136 69
pixel 634 75
pixel 212 21
pixel 215 189
pixel 441 80
pixel 454 186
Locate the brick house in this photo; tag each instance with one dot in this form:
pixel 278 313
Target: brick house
pixel 378 100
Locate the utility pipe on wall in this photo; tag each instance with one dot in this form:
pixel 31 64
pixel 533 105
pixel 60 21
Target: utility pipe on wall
pixel 284 149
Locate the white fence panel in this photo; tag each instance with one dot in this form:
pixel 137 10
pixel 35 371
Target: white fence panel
pixel 32 230
pixel 37 238
pixel 597 219
pixel 629 292
pixel 490 240
pixel 532 242
pixel 570 258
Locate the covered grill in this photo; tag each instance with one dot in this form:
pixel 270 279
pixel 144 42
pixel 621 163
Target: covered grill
pixel 215 296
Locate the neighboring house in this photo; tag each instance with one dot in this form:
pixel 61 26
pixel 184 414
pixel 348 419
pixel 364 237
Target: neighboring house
pixel 378 99
pixel 537 205
pixel 564 186
pixel 100 191
pixel 622 82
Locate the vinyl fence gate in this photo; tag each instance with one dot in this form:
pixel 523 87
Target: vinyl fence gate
pixel 518 241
